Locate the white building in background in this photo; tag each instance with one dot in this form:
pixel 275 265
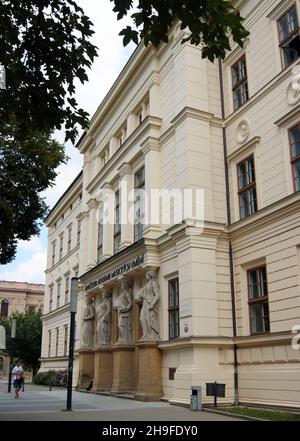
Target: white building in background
pixel 229 286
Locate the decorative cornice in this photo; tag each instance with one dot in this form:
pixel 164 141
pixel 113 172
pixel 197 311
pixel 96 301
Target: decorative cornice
pixel 150 144
pixel 280 9
pixel 288 116
pixel 189 112
pixel 243 149
pixel 92 204
pixel 124 169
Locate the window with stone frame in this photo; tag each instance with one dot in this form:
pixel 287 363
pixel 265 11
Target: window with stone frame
pixel 258 300
pixel 289 40
pixel 69 238
pixel 174 330
pixel 78 231
pixel 53 252
pixel 240 83
pixel 58 295
pixel 247 187
pixel 50 299
pixel 4 308
pixel 61 246
pixel 294 138
pixel 117 225
pixel 67 290
pixel 139 202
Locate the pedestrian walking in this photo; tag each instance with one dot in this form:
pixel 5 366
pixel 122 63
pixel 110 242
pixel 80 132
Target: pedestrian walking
pixel 18 378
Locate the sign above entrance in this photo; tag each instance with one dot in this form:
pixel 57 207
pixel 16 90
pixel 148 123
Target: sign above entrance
pixel 125 268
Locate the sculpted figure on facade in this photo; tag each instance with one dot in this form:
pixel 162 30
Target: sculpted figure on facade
pixel 88 324
pixel 293 92
pixel 124 306
pixel 104 319
pixel 149 317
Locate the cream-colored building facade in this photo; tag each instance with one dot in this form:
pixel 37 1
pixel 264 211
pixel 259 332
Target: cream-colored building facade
pixel 18 297
pixel 229 287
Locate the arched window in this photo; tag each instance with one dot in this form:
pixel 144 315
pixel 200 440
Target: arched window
pixel 4 308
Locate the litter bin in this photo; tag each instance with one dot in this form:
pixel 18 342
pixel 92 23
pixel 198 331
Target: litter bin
pixel 196 398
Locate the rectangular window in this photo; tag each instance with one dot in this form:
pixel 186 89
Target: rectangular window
pixel 139 202
pixel 67 290
pixel 258 300
pixel 49 344
pixel 56 342
pixel 294 135
pixel 240 83
pixel 53 252
pixel 289 41
pixel 61 245
pixel 247 187
pixel 78 232
pixel 66 340
pixel 117 226
pixel 51 300
pixel 100 235
pixel 58 295
pixel 173 308
pixel 69 238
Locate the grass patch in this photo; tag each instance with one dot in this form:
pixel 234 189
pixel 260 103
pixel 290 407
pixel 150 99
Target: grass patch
pixel 270 415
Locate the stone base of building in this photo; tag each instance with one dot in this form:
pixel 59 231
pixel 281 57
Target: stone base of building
pixel 123 368
pixel 86 368
pixel 103 372
pixel 149 386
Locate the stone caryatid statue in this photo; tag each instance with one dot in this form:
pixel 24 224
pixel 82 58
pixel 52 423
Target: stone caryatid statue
pixel 104 319
pixel 124 306
pixel 149 317
pixel 88 324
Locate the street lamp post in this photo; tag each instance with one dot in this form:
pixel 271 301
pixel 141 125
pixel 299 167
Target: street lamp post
pixel 73 310
pixel 12 336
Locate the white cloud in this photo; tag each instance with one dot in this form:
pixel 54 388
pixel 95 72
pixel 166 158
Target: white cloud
pixel 31 271
pixel 33 245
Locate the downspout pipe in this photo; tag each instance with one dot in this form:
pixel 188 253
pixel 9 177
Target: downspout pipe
pixel 232 287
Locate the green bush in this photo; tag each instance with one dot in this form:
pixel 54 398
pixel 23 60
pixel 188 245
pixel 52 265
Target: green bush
pixel 56 378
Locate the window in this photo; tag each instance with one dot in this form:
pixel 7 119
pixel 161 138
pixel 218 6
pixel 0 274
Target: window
pixel 289 41
pixel 117 227
pixel 174 308
pixel 56 342
pixel 78 232
pixel 49 344
pixel 294 135
pixel 247 187
pixel 258 300
pixel 58 295
pixel 67 290
pixel 66 340
pixel 51 300
pixel 100 241
pixel 240 83
pixel 69 238
pixel 53 253
pixel 139 188
pixel 61 245
pixel 80 197
pixel 4 308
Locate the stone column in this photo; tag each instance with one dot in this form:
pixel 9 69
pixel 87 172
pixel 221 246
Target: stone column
pixel 93 233
pixel 149 386
pixel 151 150
pixel 126 185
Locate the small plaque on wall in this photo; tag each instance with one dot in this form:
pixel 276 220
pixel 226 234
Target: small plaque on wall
pixel 185 309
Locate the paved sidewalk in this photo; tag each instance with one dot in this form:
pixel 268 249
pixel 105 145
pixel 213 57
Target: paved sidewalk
pixel 37 403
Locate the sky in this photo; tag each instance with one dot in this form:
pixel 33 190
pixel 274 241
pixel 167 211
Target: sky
pixel 30 262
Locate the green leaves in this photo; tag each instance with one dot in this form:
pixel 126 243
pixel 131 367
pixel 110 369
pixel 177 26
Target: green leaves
pixel 210 23
pixel 44 46
pixel 27 344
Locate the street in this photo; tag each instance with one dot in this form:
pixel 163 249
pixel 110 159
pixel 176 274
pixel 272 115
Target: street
pixel 37 403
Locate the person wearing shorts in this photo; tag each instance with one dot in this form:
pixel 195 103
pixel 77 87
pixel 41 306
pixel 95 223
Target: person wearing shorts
pixel 18 378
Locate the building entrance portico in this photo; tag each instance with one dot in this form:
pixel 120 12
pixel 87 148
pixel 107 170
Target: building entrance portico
pixel 121 355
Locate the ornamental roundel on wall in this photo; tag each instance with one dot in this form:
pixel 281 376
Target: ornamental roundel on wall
pixel 293 90
pixel 243 131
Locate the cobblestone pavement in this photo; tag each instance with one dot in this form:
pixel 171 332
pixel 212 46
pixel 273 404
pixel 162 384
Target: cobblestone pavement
pixel 37 403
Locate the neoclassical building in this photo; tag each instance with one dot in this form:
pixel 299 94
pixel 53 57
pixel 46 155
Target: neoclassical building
pixel 165 304
pixel 18 297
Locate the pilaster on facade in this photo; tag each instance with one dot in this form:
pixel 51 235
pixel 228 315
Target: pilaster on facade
pixel 126 186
